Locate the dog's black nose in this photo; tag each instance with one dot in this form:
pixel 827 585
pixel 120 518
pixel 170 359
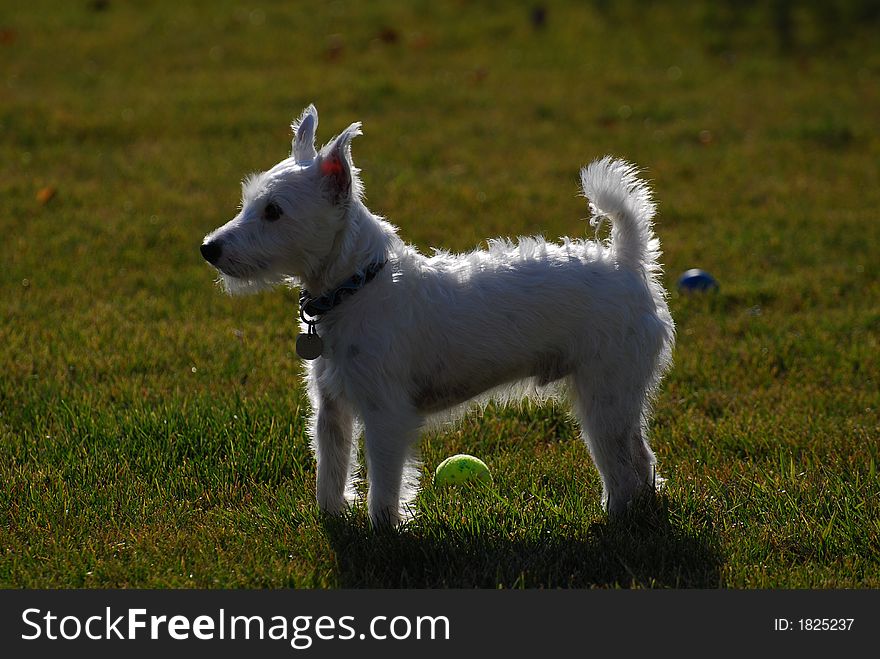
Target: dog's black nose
pixel 211 251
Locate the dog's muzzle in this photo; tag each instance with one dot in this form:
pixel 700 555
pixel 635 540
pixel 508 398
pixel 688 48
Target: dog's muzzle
pixel 211 251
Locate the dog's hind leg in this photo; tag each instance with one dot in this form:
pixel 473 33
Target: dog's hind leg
pixel 612 417
pixel 335 452
pixel 388 446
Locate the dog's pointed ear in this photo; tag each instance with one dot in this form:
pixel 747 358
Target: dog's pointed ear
pixel 336 168
pixel 304 128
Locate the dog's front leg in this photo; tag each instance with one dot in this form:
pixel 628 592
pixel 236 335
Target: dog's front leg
pixel 334 447
pixel 388 445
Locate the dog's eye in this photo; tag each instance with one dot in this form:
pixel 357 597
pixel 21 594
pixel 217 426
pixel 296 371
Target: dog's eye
pixel 272 212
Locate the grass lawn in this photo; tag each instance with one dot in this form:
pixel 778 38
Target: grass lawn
pixel 152 429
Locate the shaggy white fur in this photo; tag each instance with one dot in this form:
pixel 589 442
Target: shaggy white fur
pixel 432 333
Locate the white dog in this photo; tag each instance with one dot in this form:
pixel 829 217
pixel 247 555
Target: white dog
pixel 396 338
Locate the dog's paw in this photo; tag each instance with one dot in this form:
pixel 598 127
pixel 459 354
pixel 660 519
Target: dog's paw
pixel 386 519
pixel 335 505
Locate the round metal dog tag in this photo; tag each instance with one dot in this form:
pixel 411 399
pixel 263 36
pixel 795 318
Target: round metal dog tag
pixel 309 346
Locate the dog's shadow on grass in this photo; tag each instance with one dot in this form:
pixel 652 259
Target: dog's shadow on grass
pixel 649 548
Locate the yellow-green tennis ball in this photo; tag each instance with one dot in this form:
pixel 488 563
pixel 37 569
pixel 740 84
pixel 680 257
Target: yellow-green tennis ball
pixel 460 469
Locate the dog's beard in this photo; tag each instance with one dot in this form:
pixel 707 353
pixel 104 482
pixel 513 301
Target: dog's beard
pixel 248 285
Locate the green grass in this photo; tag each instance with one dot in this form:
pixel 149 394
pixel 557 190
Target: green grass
pixel 152 430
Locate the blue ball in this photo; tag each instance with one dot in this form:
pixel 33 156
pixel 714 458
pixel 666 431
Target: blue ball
pixel 697 281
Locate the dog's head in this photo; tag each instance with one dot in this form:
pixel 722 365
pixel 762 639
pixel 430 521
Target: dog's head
pixel 291 215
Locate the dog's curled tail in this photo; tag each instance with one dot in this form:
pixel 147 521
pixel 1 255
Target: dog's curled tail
pixel 615 191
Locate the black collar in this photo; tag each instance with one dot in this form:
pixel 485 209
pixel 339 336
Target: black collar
pixel 312 308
